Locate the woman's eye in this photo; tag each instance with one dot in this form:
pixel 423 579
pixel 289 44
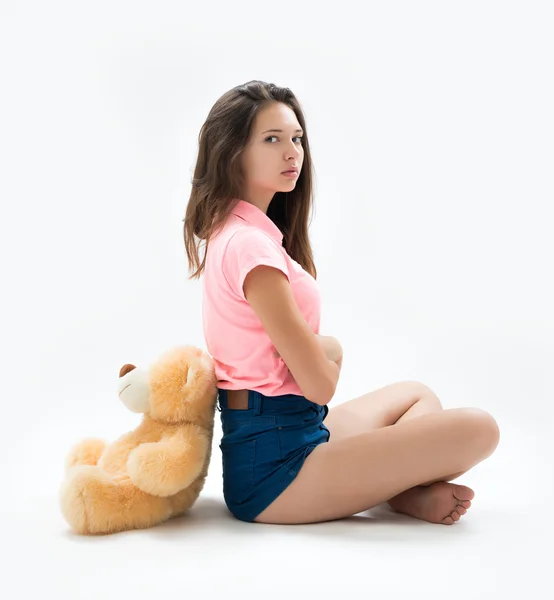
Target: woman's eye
pixel 298 137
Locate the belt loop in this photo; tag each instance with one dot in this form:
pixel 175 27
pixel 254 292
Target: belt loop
pixel 256 401
pixel 219 399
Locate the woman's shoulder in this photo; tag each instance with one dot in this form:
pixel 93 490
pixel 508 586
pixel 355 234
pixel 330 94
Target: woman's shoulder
pixel 249 237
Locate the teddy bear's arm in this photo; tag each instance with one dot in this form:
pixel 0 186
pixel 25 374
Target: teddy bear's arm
pixel 166 467
pixel 85 452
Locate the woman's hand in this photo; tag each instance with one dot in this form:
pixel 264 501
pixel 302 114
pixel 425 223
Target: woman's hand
pixel 331 346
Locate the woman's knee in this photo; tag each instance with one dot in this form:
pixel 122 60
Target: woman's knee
pixel 421 390
pixel 482 429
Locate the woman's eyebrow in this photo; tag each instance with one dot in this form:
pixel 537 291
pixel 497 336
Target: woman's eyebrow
pixel 280 131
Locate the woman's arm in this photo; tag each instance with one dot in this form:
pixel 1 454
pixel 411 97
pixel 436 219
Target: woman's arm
pixel 331 346
pixel 268 291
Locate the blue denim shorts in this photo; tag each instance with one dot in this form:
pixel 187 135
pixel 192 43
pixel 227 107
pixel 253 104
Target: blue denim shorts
pixel 264 447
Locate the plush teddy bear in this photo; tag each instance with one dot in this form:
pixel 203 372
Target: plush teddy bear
pixel 157 471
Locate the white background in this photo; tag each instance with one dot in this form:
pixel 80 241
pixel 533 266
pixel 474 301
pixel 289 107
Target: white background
pixel 431 127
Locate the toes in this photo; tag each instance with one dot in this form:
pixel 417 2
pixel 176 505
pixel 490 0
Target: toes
pixel 461 510
pixel 465 503
pixel 462 492
pixel 453 517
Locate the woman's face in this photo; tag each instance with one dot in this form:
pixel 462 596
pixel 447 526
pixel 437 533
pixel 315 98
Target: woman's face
pixel 269 153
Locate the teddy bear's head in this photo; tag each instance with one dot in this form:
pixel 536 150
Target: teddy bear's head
pixel 179 386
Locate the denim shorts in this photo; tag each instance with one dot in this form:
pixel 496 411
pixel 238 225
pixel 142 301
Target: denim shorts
pixel 264 447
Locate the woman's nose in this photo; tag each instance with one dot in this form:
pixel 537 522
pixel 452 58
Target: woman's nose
pixel 295 151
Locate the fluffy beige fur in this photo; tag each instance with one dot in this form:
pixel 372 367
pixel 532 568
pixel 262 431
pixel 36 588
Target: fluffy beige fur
pixel 157 471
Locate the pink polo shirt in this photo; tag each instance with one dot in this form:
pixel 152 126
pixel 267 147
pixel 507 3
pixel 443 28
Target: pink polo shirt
pixel 242 352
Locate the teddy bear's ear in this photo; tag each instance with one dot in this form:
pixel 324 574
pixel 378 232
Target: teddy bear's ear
pixel 126 369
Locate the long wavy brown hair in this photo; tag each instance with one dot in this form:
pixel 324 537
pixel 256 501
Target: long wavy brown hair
pixel 218 177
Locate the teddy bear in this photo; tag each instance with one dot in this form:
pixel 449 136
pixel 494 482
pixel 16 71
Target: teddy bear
pixel 156 471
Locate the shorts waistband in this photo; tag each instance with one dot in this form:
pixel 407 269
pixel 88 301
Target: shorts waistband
pixel 259 403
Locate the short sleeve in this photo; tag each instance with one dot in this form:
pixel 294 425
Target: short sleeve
pixel 249 248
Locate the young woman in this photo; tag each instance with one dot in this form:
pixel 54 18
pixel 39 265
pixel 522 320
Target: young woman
pixel 287 458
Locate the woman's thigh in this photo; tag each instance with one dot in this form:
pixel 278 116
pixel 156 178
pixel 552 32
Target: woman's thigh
pixel 379 408
pixel 359 472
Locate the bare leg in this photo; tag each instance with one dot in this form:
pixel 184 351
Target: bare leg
pixel 443 500
pixel 428 402
pixel 389 405
pixel 359 472
pixel 396 404
pixel 393 403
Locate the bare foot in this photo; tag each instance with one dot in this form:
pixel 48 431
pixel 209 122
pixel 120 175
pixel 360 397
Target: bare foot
pixel 440 502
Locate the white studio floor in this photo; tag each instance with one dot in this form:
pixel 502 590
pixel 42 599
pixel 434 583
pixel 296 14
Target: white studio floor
pixel 499 549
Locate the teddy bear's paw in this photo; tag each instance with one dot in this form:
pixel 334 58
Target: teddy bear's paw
pixel 86 452
pixel 82 486
pixel 95 502
pixel 161 473
pixel 154 471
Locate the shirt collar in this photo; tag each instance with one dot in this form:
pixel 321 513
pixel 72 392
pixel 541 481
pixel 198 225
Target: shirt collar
pixel 253 215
